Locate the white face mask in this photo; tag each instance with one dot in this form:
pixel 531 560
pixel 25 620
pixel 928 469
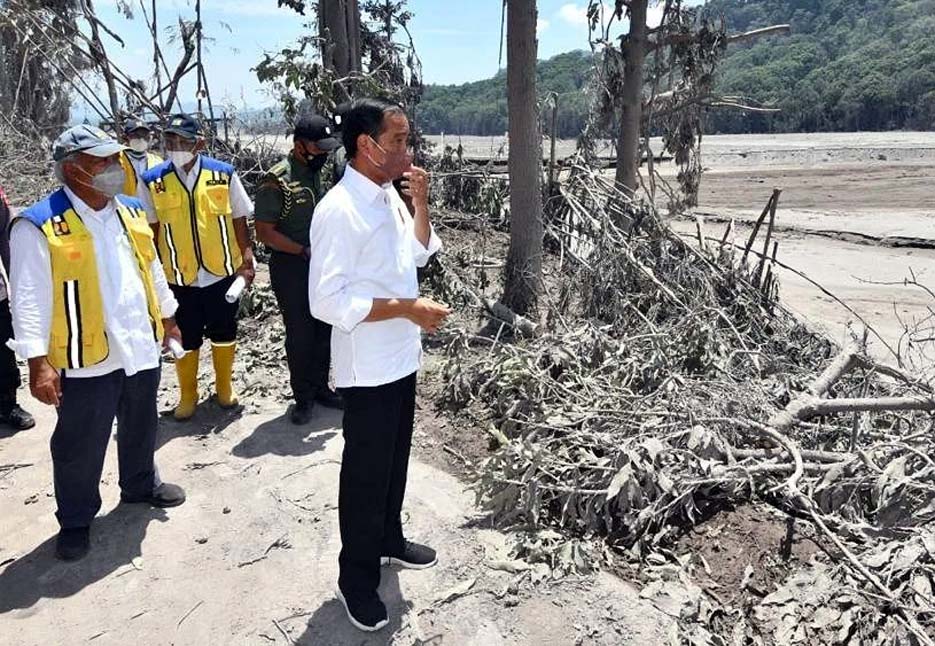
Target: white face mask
pixel 109 182
pixel 139 145
pixel 180 158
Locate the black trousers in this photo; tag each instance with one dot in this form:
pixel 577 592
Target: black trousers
pixel 79 442
pixel 308 340
pixel 204 312
pixel 377 439
pixel 9 371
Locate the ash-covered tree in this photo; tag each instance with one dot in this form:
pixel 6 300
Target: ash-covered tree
pixel 523 271
pixel 323 71
pixel 34 69
pixel 660 79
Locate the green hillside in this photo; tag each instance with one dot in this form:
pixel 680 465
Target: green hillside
pixel 848 65
pixel 479 108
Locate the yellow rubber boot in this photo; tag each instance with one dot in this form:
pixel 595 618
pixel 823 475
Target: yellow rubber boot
pixel 187 369
pixel 223 356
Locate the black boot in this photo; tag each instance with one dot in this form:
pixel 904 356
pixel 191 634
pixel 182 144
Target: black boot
pixel 329 399
pixel 301 413
pixel 13 416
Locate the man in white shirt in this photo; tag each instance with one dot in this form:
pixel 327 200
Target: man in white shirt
pixel 91 310
pixel 365 248
pixel 11 413
pixel 198 209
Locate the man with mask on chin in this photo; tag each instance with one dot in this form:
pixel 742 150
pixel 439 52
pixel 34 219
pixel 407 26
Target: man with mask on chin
pixel 91 311
pixel 198 209
pixel 136 160
pixel 365 248
pixel 284 205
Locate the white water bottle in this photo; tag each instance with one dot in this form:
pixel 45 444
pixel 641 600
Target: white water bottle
pixel 236 289
pixel 176 348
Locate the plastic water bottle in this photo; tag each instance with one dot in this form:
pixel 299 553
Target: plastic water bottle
pixel 236 289
pixel 176 348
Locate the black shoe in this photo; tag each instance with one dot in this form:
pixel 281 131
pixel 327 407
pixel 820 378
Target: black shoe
pixel 165 495
pixel 301 414
pixel 413 557
pixel 73 543
pixel 329 399
pixel 366 613
pixel 17 418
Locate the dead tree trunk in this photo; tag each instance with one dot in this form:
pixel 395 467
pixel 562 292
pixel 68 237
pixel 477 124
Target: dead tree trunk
pixel 631 108
pixel 339 29
pixel 101 60
pixel 524 262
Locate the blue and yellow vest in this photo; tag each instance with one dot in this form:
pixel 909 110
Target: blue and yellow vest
pixel 78 338
pixel 196 230
pixel 130 186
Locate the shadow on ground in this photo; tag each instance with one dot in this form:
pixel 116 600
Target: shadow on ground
pixel 116 539
pixel 329 624
pixel 281 437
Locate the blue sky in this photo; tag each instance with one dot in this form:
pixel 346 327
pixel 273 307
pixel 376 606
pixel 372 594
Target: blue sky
pixel 457 40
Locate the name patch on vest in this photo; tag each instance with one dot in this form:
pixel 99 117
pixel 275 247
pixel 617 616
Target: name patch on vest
pixel 159 186
pixel 60 226
pixel 216 180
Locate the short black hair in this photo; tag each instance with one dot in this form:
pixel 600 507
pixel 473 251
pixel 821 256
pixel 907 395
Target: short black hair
pixel 364 117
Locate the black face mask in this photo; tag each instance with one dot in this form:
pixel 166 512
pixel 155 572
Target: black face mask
pixel 316 162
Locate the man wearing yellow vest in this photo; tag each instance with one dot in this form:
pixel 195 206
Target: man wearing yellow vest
pixel 91 310
pixel 198 209
pixel 137 159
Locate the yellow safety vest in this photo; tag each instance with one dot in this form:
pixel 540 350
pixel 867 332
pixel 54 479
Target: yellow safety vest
pixel 78 338
pixel 130 186
pixel 196 230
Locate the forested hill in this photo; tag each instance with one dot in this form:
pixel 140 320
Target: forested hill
pixel 848 65
pixel 480 108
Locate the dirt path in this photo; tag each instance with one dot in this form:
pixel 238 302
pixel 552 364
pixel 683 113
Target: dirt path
pixel 251 557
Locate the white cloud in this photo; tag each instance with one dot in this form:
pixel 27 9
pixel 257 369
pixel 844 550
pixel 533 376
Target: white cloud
pixel 574 14
pixel 541 25
pixel 249 8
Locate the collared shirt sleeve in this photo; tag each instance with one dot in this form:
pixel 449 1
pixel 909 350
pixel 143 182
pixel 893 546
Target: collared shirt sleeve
pixel 421 254
pixel 31 287
pixel 334 249
pixel 167 303
pixel 142 192
pixel 241 205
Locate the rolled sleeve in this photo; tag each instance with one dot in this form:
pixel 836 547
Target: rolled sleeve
pixel 167 303
pixel 421 253
pixel 331 297
pixel 31 291
pixel 241 205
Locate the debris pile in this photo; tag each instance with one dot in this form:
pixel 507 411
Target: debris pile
pixel 668 384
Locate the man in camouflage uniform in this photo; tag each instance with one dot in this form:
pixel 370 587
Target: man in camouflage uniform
pixel 284 205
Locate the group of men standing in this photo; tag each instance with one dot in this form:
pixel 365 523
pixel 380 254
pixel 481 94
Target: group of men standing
pixel 134 255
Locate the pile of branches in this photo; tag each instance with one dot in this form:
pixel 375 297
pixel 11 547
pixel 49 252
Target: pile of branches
pixel 25 162
pixel 667 384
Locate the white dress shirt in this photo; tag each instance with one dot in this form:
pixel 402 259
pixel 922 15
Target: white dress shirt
pixel 126 312
pixel 241 207
pixel 363 246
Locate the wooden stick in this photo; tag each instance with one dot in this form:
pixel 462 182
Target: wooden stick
pixel 756 230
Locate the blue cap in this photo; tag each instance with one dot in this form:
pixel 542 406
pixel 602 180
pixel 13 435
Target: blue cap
pixel 184 125
pixel 85 139
pixel 133 124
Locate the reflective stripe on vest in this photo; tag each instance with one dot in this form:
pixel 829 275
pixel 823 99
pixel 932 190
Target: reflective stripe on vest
pixel 78 338
pixel 131 184
pixel 196 229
